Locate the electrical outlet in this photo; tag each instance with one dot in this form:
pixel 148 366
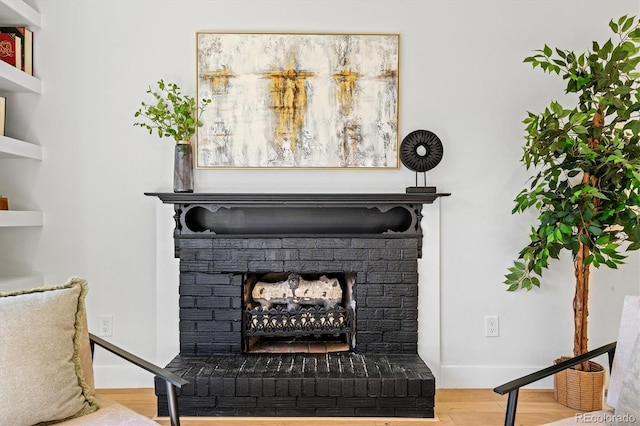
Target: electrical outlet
pixel 491 326
pixel 105 325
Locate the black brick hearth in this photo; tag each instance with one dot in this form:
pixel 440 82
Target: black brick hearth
pixel 381 374
pixel 343 385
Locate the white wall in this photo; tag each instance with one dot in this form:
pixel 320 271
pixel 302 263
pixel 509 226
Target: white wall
pixel 462 77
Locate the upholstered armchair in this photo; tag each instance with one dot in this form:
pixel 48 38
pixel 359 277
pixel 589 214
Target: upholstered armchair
pixel 46 370
pixel 623 393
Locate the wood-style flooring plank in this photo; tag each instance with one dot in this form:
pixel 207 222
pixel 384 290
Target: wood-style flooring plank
pixel 454 407
pixel 142 400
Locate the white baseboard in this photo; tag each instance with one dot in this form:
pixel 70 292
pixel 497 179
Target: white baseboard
pixel 484 377
pixel 109 377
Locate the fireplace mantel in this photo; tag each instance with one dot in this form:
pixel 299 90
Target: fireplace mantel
pixel 225 215
pixel 292 199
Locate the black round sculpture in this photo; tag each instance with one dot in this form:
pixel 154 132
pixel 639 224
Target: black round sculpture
pixel 421 150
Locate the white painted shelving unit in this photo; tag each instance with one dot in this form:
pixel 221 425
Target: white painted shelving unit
pixel 13 80
pixel 18 12
pixel 13 218
pixel 15 148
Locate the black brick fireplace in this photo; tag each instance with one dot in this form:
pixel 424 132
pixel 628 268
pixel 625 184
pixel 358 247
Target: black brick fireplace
pixel 299 305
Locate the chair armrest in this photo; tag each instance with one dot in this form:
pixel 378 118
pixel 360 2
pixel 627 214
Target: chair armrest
pixel 164 374
pixel 549 371
pixel 172 380
pixel 514 386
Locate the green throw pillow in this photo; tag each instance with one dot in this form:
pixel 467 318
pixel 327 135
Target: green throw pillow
pixel 41 379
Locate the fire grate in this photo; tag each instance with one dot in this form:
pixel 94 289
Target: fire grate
pixel 314 320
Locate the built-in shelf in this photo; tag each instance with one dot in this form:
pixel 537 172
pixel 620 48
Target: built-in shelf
pixel 15 282
pixel 15 148
pixel 17 12
pixel 14 80
pixel 14 218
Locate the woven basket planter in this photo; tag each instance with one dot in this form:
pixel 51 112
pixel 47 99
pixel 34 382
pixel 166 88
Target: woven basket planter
pixel 579 390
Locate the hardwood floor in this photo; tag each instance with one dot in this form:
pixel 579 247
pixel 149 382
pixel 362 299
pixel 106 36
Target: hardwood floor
pixel 459 407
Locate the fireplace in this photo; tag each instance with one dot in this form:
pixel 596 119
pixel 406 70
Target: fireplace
pixel 298 313
pixel 299 305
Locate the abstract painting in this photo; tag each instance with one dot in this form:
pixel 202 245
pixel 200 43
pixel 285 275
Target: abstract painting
pixel 298 100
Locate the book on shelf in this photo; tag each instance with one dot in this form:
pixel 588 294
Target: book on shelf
pixel 26 45
pixel 11 49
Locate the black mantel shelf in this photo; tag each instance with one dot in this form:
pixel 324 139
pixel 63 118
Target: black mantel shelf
pixel 297 198
pixel 228 215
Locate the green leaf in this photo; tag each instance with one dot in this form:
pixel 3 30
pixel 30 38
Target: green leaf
pixel 513 287
pixel 618 55
pixel 627 24
pixel 606 49
pixel 634 126
pixel 594 230
pixel 635 34
pixel 613 26
pixel 588 214
pixel 565 229
pixel 556 108
pixel 558 235
pixel 514 276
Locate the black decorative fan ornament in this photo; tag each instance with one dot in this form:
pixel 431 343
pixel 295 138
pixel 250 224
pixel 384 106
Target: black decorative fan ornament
pixel 421 150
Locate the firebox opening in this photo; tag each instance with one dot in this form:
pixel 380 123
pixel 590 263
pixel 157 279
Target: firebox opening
pixel 285 312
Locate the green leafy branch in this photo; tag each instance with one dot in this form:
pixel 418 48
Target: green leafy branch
pixel 173 115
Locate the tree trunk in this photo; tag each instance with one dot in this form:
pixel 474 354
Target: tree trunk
pixel 582 271
pixel 581 297
pixel 581 305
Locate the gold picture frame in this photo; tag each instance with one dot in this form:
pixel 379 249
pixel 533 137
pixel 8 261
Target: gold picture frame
pixel 298 100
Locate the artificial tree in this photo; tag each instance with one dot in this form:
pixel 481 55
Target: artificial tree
pixel 586 159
